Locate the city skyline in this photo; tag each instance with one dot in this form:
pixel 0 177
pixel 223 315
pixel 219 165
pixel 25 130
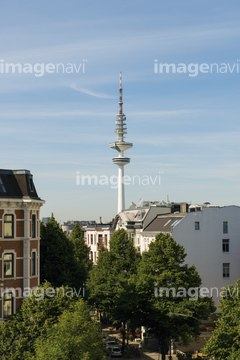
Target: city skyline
pixel 58 109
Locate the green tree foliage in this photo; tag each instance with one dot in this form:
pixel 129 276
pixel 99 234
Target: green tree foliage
pixel 163 267
pixel 225 342
pixel 81 256
pixel 36 315
pixel 57 261
pixel 112 280
pixel 75 336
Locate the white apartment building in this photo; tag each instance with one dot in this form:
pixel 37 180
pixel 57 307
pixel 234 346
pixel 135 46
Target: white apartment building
pixel 97 237
pixel 211 238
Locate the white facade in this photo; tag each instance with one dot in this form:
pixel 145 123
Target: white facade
pixel 211 238
pixel 218 264
pixel 97 238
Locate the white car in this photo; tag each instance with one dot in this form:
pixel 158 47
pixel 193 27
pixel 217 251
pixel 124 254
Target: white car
pixel 137 340
pixel 114 351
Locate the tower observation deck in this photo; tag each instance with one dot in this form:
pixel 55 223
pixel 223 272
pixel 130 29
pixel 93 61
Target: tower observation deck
pixel 121 145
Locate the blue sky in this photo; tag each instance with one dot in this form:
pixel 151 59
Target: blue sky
pixel 182 127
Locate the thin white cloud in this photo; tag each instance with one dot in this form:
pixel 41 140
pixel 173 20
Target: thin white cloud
pixel 196 139
pixel 91 93
pixel 111 45
pixel 44 115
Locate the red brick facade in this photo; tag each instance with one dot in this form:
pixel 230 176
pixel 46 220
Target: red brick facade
pixel 19 240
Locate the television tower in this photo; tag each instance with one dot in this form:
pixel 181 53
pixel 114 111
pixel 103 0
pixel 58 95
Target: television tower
pixel 120 146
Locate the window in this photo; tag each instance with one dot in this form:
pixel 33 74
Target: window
pixel 167 222
pixel 226 270
pixel 8 261
pixel 2 187
pixel 33 226
pixel 175 223
pixel 8 226
pixel 30 182
pixel 34 263
pixel 197 225
pixel 91 239
pixel 100 239
pixel 225 227
pixel 106 240
pixel 225 245
pixel 7 304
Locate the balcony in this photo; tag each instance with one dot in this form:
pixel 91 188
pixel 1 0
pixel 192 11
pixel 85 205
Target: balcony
pixel 101 247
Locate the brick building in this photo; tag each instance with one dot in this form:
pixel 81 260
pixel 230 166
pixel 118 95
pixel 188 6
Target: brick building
pixel 19 238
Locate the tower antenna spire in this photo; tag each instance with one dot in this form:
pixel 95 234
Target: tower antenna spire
pixel 120 95
pixel 121 145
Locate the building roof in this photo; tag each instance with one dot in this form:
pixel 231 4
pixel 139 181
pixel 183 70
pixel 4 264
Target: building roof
pixel 98 227
pixel 17 184
pixel 164 223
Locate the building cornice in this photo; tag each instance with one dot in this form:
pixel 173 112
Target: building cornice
pixel 20 203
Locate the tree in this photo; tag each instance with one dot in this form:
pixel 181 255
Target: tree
pixel 112 280
pixel 57 261
pixel 167 286
pixel 225 342
pixel 81 255
pixel 36 315
pixel 75 336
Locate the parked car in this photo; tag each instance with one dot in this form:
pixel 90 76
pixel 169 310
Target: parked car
pixel 114 351
pixel 109 343
pixel 137 340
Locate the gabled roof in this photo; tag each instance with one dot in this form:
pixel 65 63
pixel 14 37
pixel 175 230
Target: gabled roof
pixel 17 184
pixel 164 223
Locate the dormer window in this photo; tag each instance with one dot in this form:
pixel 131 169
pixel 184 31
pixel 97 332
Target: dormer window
pixel 30 182
pixel 2 187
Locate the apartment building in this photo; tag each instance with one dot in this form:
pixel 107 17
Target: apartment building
pixel 97 237
pixel 210 235
pixel 19 238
